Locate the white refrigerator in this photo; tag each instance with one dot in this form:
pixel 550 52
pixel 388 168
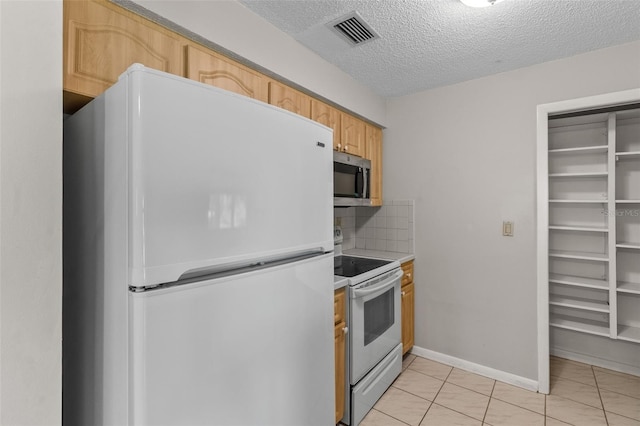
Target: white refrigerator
pixel 198 265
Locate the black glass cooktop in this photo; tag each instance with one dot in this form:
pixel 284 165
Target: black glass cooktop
pixel 349 266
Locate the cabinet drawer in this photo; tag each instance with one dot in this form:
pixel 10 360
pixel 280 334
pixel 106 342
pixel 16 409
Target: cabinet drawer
pixel 407 268
pixel 339 300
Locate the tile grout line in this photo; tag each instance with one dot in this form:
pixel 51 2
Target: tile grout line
pixel 604 412
pixel 491 397
pixel 618 393
pixel 486 410
pixel 428 375
pixel 441 386
pixel 570 380
pixel 425 413
pixel 609 390
pixel 389 415
pixel 579 401
pixel 520 406
pixel 544 409
pixel 436 395
pixel 456 411
pixel 410 393
pixel 473 390
pixel 613 390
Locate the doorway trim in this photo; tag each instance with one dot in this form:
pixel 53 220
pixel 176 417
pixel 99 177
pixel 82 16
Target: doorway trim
pixel 542 171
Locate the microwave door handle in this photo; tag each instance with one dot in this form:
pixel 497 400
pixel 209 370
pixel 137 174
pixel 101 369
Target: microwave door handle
pixel 365 177
pixel 383 286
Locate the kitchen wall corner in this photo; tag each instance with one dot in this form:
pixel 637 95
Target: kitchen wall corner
pixel 386 228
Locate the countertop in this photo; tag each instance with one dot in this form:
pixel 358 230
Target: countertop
pixel 339 282
pixel 400 257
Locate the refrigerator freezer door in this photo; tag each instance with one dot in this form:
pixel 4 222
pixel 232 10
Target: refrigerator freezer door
pixel 218 179
pixel 250 349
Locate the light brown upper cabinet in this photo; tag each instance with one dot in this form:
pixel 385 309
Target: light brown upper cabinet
pixel 329 116
pixel 211 68
pixel 352 135
pixel 373 153
pixel 101 40
pixel 290 99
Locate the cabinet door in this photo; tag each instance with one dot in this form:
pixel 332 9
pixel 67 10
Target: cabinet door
pixel 340 337
pixel 408 301
pixel 290 99
pixel 216 70
pixel 352 135
pixel 101 40
pixel 373 152
pixel 330 117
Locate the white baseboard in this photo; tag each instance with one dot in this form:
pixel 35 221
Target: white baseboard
pixel 482 370
pixel 598 362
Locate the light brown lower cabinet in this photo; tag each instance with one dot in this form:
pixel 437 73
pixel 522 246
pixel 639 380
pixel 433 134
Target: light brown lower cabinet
pixel 340 341
pixel 407 306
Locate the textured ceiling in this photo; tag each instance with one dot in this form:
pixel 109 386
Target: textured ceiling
pixel 430 43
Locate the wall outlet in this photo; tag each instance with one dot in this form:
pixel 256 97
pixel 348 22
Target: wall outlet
pixel 337 235
pixel 507 229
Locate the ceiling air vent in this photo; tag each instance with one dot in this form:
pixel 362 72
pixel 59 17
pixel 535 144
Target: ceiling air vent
pixel 353 28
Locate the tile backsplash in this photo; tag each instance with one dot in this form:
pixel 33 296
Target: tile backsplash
pixel 386 228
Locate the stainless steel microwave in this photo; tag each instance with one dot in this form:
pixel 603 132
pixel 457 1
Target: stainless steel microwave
pixel 351 180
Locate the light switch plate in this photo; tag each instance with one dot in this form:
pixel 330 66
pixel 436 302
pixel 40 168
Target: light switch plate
pixel 507 229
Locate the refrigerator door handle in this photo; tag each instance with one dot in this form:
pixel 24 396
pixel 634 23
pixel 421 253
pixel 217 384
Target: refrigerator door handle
pixel 226 270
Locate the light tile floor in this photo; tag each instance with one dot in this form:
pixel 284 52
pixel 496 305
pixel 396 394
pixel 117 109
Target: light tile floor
pixel 430 393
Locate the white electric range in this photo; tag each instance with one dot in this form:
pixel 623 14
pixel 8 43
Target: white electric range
pixel 374 345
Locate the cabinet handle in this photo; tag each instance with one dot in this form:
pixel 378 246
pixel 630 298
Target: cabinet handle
pixel 409 276
pixel 346 148
pixel 345 330
pixel 402 293
pixel 339 146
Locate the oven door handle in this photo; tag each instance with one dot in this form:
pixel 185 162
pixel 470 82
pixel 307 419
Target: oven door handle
pixel 382 287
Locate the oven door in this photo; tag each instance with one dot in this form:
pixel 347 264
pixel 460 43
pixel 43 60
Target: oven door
pixel 374 322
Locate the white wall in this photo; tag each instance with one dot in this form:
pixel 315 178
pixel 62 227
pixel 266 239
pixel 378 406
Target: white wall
pixel 466 153
pixel 229 24
pixel 30 212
